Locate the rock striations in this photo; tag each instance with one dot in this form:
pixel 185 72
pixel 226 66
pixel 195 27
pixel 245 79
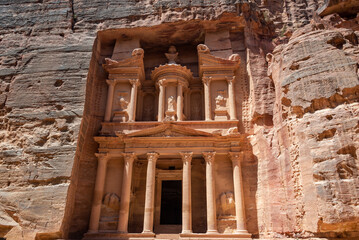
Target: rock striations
pixel 300 107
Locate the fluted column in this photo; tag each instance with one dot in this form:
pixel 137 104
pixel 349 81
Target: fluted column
pixel 179 102
pixel 126 192
pixel 110 93
pixel 210 193
pixel 236 158
pixel 186 193
pixel 232 105
pixel 161 101
pixel 132 113
pixel 98 192
pixel 207 98
pixel 150 192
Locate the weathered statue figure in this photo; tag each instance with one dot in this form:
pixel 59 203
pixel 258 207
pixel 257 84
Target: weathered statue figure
pixel 172 55
pixel 221 100
pixel 227 204
pixel 171 103
pixel 123 103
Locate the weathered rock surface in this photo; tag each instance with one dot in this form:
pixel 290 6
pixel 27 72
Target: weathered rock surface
pixel 305 115
pixel 310 157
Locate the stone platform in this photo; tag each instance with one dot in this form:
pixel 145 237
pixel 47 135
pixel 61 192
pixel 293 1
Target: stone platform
pixel 141 236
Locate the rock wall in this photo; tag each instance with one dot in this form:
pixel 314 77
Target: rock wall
pixel 304 114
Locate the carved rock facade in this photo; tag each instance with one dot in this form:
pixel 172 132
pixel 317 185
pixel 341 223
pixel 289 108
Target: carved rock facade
pixel 81 84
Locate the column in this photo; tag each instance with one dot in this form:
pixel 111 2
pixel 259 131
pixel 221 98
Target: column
pixel 132 113
pixel 128 159
pixel 98 192
pixel 161 101
pixel 150 192
pixel 210 193
pixel 179 102
pixel 110 93
pixel 187 103
pixel 186 193
pixel 207 100
pixel 236 158
pixel 232 100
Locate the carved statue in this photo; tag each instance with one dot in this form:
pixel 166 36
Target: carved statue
pixel 171 103
pixel 111 200
pixel 122 102
pixel 201 48
pixel 172 55
pixel 227 204
pixel 234 57
pixel 221 101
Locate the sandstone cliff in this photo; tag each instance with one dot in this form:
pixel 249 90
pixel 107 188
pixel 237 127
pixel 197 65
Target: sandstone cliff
pixel 303 114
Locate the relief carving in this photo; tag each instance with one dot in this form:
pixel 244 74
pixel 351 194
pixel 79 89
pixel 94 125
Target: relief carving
pixel 227 205
pixel 171 109
pixel 172 55
pixel 121 107
pixel 220 112
pixel 111 200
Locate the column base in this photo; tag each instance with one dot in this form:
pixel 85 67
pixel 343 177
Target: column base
pixel 241 232
pixel 147 232
pixel 212 232
pixel 186 232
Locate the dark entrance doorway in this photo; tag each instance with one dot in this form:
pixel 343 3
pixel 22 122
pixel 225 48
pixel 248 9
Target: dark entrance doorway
pixel 171 203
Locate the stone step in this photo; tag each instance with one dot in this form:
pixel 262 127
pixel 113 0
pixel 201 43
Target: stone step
pixel 167 236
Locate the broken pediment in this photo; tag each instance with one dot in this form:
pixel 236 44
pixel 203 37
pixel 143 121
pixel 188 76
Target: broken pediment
pixel 212 65
pixel 169 130
pixel 132 66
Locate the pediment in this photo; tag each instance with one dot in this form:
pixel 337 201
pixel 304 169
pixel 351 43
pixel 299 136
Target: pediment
pixel 169 130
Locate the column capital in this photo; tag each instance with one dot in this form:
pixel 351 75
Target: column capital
pixel 231 79
pixel 129 156
pixel 161 82
pixel 102 156
pixel 186 156
pixel 209 156
pixel 206 80
pixel 152 156
pixel 135 82
pixel 111 82
pixel 236 157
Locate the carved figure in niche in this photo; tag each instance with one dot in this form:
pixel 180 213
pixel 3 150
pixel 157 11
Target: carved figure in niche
pixel 171 103
pixel 171 109
pixel 172 55
pixel 121 101
pixel 221 100
pixel 227 204
pixel 111 200
pixel 121 107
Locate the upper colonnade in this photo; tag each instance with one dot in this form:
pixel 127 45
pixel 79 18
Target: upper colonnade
pixel 172 82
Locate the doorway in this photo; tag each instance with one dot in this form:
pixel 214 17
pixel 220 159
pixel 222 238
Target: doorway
pixel 171 203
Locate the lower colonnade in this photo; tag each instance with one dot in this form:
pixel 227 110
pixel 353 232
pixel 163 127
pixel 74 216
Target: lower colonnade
pixel 149 207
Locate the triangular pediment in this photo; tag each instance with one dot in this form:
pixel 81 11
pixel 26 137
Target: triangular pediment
pixel 169 130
